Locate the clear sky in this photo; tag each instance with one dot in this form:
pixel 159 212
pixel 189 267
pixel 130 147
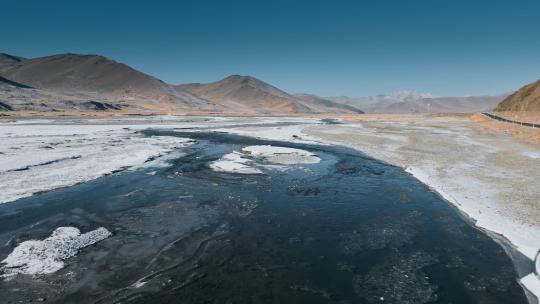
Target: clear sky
pixel 354 48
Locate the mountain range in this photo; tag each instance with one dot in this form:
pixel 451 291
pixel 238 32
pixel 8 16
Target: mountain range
pixel 413 102
pixel 74 82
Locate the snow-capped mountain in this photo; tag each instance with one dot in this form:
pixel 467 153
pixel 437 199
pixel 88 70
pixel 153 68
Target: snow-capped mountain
pixel 411 102
pixel 409 95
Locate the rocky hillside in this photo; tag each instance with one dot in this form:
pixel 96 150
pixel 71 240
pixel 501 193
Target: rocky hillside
pixel 526 99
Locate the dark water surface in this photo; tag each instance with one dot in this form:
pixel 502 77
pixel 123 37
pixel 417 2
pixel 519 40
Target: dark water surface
pixel 347 230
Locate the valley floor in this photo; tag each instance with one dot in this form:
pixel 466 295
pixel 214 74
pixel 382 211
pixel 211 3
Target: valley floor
pixel 487 173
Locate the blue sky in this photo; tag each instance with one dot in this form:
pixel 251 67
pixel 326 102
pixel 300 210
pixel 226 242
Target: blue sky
pixel 354 48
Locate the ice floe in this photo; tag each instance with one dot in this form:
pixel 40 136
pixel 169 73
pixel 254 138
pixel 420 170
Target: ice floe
pixel 532 280
pixel 532 283
pixel 282 155
pixel 35 257
pixel 234 162
pixel 247 161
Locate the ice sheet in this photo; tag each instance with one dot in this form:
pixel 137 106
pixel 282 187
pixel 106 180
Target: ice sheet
pixel 51 157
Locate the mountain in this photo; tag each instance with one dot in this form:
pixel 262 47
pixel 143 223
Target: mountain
pixel 373 103
pixel 407 95
pixel 412 102
pixel 249 95
pixel 9 60
pixel 91 73
pixel 15 96
pixel 526 98
pixel 246 94
pixel 358 102
pixel 100 78
pixel 321 104
pixel 466 104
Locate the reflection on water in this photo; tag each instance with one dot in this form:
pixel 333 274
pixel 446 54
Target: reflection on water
pixel 346 230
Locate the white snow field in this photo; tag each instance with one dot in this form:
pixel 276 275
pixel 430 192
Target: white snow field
pixel 36 257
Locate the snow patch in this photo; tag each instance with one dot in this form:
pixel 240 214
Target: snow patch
pixel 532 154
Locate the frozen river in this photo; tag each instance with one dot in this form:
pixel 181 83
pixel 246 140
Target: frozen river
pixel 343 229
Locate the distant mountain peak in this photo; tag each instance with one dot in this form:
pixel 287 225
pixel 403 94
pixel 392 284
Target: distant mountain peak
pixel 409 95
pixel 235 76
pixel 243 79
pixel 83 57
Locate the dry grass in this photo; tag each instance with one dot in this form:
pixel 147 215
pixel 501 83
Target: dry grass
pixel 533 117
pixel 524 134
pixel 380 117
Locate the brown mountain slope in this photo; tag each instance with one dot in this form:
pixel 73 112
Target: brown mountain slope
pixel 526 99
pixel 16 96
pixel 68 82
pixel 103 79
pixel 246 94
pixel 7 60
